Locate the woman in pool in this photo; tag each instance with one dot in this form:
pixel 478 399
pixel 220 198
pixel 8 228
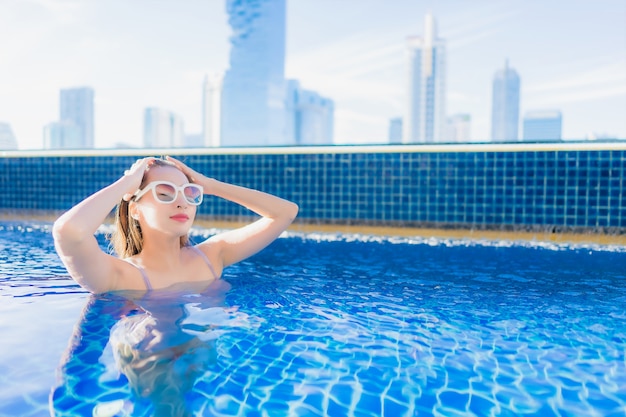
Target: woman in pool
pixel 157 202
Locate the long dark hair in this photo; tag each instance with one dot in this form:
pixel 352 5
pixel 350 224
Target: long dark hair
pixel 127 238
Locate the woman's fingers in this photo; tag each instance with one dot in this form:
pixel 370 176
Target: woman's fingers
pixel 193 175
pixel 140 165
pixel 136 173
pixel 180 165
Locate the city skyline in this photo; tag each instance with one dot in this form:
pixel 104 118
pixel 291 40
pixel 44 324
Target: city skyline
pixel 570 56
pixel 259 106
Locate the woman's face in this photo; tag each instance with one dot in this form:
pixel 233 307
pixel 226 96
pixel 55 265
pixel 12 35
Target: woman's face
pixel 173 218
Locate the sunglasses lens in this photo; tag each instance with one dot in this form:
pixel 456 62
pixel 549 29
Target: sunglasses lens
pixel 165 193
pixel 193 194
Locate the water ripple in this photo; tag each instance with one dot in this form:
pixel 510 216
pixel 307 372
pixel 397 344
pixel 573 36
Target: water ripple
pixel 335 326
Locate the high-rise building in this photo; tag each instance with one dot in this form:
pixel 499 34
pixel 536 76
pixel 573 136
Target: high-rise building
pixel 76 106
pixel 162 129
pixel 395 130
pixel 424 120
pixel 458 128
pixel 7 137
pixel 63 134
pixel 211 110
pixel 540 125
pixel 253 95
pixel 310 117
pixel 505 105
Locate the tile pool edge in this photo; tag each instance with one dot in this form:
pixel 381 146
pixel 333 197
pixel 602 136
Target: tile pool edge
pixel 561 187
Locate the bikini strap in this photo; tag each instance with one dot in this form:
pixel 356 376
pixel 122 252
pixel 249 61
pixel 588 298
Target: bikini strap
pixel 206 260
pixel 146 281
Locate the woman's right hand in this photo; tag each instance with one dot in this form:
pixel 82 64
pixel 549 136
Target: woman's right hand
pixel 136 173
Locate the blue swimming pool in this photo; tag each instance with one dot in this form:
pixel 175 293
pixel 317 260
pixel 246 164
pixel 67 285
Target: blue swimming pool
pixel 323 325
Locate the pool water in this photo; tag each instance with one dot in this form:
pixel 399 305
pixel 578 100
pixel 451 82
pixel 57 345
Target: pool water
pixel 323 325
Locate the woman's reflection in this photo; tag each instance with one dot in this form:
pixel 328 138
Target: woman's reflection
pixel 133 355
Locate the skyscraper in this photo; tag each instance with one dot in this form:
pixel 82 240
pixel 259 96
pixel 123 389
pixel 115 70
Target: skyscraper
pixel 212 110
pixel 253 95
pixel 310 117
pixel 7 137
pixel 162 129
pixel 62 134
pixel 395 130
pixel 424 120
pixel 542 125
pixel 458 128
pixel 76 107
pixel 505 105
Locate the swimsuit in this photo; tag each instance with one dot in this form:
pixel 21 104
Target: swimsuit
pixel 145 276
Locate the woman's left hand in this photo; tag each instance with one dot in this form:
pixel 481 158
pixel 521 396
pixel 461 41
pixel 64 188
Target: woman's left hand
pixel 194 176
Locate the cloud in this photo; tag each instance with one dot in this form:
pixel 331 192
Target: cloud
pixel 608 74
pixel 377 60
pixel 365 73
pixel 342 87
pixel 457 97
pixel 463 41
pixel 371 65
pixel 364 52
pixel 596 84
pixel 29 26
pixel 55 11
pixel 346 82
pixel 562 98
pixel 476 26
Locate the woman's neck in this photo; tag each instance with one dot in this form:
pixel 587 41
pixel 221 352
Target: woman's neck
pixel 160 253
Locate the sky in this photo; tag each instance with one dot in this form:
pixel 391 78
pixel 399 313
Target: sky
pixel 570 55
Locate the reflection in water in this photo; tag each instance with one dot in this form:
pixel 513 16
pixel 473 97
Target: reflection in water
pixel 132 352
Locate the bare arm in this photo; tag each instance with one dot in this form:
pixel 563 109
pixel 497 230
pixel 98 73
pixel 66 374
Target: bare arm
pixel 236 245
pixel 74 232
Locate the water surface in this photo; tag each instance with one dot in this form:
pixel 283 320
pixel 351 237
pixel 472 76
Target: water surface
pixel 323 325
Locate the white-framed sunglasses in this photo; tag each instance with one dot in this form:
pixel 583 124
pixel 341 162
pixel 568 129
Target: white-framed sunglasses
pixel 165 192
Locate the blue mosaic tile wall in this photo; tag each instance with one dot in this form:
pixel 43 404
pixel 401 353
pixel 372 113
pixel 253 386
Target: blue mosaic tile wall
pixel 567 189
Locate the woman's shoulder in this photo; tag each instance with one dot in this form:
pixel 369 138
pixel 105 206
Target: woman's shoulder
pixel 210 253
pixel 128 275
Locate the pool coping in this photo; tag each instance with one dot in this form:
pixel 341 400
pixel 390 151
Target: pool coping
pixel 552 146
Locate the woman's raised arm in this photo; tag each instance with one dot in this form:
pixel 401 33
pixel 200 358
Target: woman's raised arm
pixel 74 231
pixel 235 245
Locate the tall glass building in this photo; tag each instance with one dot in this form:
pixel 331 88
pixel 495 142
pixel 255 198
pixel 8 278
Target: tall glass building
pixel 211 110
pixel 162 129
pixel 540 125
pixel 505 105
pixel 7 137
pixel 394 134
pixel 253 91
pixel 62 134
pixel 310 117
pixel 458 128
pixel 76 107
pixel 424 120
